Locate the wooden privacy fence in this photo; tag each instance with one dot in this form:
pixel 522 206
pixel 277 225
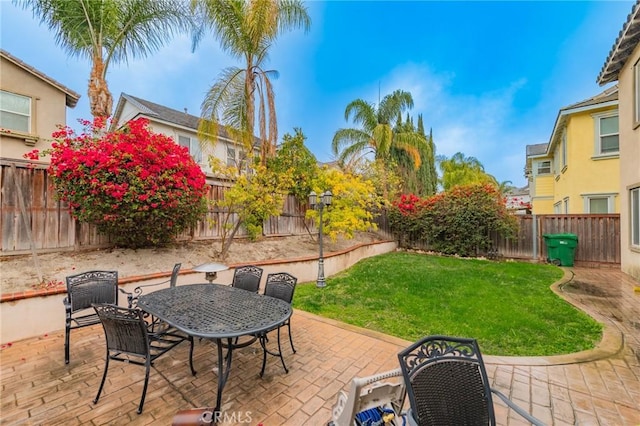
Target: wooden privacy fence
pixel 598 237
pixel 32 219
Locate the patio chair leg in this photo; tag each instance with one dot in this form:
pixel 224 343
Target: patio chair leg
pixel 265 351
pixel 67 332
pixel 104 377
pixel 144 388
pixel 280 352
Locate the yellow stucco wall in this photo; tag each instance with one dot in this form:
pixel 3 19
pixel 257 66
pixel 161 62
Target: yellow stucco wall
pixel 585 173
pixel 48 109
pixel 629 164
pixel 542 195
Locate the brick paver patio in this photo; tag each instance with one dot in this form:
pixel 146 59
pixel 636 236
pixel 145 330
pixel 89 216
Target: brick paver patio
pixel 601 387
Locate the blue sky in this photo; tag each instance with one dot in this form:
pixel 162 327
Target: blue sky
pixel 488 77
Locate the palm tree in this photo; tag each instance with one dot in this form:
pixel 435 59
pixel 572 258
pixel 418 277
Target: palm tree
pixel 376 133
pixel 109 31
pixel 246 29
pixel 461 170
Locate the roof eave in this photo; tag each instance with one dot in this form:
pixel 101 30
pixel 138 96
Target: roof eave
pixel 625 44
pixel 71 97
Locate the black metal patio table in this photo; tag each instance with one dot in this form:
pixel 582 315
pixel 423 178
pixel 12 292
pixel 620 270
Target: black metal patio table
pixel 217 312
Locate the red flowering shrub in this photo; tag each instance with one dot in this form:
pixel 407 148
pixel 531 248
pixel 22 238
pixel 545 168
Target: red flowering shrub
pixel 138 187
pixel 454 222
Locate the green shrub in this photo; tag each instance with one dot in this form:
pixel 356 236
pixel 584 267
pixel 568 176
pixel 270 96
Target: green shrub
pixel 455 222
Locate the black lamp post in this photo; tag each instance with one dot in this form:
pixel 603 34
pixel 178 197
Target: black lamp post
pixel 325 201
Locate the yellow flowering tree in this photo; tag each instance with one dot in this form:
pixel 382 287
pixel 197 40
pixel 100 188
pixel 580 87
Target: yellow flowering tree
pixel 352 206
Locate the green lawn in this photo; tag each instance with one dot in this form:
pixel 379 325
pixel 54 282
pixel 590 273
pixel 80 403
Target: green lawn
pixel 507 306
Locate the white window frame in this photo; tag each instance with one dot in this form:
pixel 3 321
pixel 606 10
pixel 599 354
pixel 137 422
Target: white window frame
pixel 565 205
pixel 610 196
pixel 563 154
pixel 28 115
pixel 231 156
pixel 538 167
pixel 636 91
pixel 194 147
pixel 557 208
pixel 598 137
pixel 634 213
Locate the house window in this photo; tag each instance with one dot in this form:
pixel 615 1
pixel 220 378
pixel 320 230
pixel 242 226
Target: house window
pixel 634 201
pixel 557 208
pixel 243 161
pixel 231 157
pixel 607 133
pixel 599 203
pixel 544 167
pixel 193 146
pixel 565 205
pixel 636 83
pixel 15 112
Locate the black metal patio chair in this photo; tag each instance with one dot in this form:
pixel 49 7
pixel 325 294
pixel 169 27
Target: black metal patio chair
pixel 282 286
pixel 157 329
pixel 447 383
pixel 247 278
pixel 83 289
pixel 132 297
pixel 128 341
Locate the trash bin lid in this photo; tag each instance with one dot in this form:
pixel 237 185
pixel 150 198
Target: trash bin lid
pixel 561 236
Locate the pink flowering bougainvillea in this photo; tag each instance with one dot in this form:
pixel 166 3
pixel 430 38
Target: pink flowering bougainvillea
pixel 138 187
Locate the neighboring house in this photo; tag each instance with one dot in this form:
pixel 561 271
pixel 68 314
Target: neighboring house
pixel 518 200
pixel 183 128
pixel 32 104
pixel 578 170
pixel 623 65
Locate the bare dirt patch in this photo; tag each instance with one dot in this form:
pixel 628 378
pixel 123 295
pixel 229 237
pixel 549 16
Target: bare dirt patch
pixel 19 273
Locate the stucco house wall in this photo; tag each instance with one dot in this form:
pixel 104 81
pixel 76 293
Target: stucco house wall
pixel 623 65
pixel 176 124
pixel 585 173
pixel 580 178
pixel 48 106
pixel 629 162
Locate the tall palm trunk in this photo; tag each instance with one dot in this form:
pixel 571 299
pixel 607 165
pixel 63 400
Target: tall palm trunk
pixel 249 95
pixel 100 98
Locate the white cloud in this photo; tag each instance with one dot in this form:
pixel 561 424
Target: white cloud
pixel 480 125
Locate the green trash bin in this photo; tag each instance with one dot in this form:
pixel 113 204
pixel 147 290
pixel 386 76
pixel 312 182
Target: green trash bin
pixel 561 248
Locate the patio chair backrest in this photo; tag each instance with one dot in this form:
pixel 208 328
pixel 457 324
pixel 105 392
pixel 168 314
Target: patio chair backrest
pixel 247 278
pixel 92 287
pixel 174 274
pixel 447 382
pixel 125 329
pixel 280 285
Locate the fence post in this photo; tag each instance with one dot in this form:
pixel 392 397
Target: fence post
pixel 534 231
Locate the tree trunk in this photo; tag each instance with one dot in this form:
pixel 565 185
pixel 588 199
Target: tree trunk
pixel 100 98
pixel 226 243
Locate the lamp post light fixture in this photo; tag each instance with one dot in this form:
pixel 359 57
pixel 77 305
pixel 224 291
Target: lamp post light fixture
pixel 325 201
